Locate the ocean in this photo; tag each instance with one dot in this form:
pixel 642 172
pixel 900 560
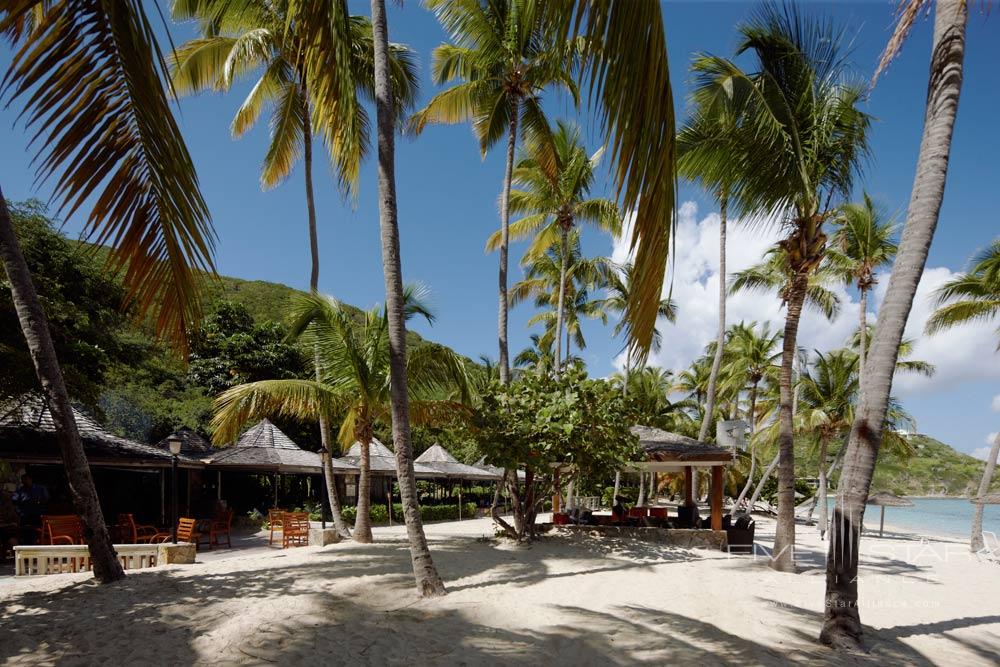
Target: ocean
pixel 936 516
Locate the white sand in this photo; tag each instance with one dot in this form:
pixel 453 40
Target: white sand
pixel 564 600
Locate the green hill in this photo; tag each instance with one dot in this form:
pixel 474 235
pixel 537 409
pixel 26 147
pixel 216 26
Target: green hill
pixel 935 470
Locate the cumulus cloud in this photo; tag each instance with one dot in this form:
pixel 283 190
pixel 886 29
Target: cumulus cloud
pixel 983 453
pixel 960 354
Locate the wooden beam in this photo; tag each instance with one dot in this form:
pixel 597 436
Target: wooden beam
pixel 717 498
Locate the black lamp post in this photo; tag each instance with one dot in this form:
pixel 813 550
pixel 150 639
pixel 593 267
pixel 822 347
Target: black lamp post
pixel 175 449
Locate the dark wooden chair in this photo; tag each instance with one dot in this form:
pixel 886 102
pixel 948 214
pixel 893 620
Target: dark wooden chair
pixel 62 529
pixel 294 529
pixel 219 527
pixel 131 532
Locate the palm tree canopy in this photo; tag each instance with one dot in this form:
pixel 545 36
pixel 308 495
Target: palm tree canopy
pixel 862 243
pixel 619 280
pixel 242 39
pixel 774 275
pixel 92 81
pixel 971 297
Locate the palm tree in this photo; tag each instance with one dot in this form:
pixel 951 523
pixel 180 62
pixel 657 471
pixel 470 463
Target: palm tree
pixel 973 297
pixel 353 383
pixel 842 622
pixel 504 56
pixel 90 75
pixel 863 243
pixel 537 356
pixel 243 39
pixel 556 175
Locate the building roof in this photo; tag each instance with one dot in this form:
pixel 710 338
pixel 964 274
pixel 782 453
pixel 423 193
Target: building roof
pixel 660 445
pixel 265 448
pixel 438 458
pixel 382 460
pixel 28 434
pixel 192 443
pixel 886 499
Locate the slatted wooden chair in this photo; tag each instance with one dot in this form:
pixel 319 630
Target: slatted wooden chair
pixel 186 532
pixel 294 529
pixel 62 529
pixel 132 532
pixel 274 520
pixel 220 527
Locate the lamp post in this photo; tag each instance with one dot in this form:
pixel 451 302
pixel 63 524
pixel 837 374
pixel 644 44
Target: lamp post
pixel 175 449
pixel 324 456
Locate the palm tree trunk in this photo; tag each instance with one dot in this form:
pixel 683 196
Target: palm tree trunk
pixel 763 480
pixel 618 482
pixel 504 361
pixel 35 328
pixel 425 573
pixel 642 489
pixel 783 558
pixel 720 338
pixel 976 543
pixel 862 339
pixel 824 517
pixel 753 458
pixel 325 432
pixel 842 623
pixel 362 520
pixel 560 309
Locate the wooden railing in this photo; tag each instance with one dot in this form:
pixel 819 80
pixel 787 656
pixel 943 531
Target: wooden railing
pixel 61 558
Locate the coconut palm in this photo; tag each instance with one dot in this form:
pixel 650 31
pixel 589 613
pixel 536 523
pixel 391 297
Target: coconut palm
pixel 842 622
pixel 773 275
pixel 579 305
pixel 353 383
pixel 239 40
pixel 973 297
pixel 862 244
pixel 555 176
pixel 503 57
pixel 799 143
pixel 90 78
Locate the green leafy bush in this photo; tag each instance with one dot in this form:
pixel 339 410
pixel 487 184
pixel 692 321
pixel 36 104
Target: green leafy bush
pixel 379 513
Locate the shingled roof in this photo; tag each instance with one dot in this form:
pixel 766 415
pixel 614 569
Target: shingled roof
pixel 383 461
pixel 660 445
pixel 192 443
pixel 438 458
pixel 265 448
pixel 28 433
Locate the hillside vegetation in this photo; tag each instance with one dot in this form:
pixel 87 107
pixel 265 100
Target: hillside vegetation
pixel 935 470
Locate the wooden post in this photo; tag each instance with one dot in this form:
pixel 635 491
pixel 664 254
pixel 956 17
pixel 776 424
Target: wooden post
pixel 717 497
pixel 688 486
pixel 218 485
pixel 881 522
pixel 555 494
pixel 277 479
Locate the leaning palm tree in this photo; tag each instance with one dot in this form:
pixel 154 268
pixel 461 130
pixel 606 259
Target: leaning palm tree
pixel 842 622
pixel 555 176
pixel 862 244
pixel 240 39
pixel 353 384
pixel 973 297
pixel 91 78
pixel 503 58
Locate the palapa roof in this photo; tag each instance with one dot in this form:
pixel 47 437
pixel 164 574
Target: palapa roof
pixel 192 443
pixel 438 458
pixel 886 499
pixel 988 499
pixel 28 433
pixel 660 445
pixel 265 448
pixel 382 461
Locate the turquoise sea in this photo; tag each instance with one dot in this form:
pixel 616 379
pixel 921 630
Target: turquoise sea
pixel 936 516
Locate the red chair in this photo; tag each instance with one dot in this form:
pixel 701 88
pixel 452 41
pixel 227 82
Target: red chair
pixel 657 512
pixel 637 512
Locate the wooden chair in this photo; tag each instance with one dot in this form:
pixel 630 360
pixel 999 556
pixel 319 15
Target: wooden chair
pixel 274 519
pixel 294 529
pixel 62 529
pixel 186 532
pixel 220 526
pixel 133 533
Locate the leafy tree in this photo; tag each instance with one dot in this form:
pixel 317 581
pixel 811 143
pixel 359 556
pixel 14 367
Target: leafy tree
pixel 538 421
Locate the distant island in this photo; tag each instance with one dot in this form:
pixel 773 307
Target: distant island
pixel 936 470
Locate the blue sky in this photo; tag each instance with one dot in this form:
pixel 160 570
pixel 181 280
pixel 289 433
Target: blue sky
pixel 447 199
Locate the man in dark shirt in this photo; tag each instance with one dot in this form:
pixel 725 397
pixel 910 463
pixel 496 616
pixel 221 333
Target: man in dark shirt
pixel 31 500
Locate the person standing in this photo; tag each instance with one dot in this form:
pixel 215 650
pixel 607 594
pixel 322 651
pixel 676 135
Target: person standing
pixel 31 501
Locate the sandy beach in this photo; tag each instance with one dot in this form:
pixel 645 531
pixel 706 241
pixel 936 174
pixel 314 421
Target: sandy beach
pixel 568 599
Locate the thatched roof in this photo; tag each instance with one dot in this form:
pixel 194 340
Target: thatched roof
pixel 438 458
pixel 265 448
pixel 28 433
pixel 383 461
pixel 493 470
pixel 886 499
pixel 660 445
pixel 988 499
pixel 192 443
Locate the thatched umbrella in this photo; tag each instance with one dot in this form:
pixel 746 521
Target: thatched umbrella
pixel 885 499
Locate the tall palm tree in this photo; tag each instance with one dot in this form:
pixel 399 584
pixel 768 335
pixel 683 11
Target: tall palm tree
pixel 91 77
pixel 842 622
pixel 973 297
pixel 503 56
pixel 241 39
pixel 555 176
pixel 353 384
pixel 862 244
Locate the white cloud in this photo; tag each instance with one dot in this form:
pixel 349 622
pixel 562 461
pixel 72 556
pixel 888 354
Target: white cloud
pixel 983 453
pixel 960 354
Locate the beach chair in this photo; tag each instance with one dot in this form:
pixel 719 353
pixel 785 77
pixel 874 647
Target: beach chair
pixel 274 520
pixel 132 533
pixel 62 529
pixel 186 532
pixel 294 529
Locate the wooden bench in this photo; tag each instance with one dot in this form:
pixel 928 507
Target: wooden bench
pixel 62 529
pixel 63 558
pixel 294 529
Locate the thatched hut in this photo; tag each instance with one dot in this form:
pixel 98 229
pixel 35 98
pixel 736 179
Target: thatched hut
pixel 885 499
